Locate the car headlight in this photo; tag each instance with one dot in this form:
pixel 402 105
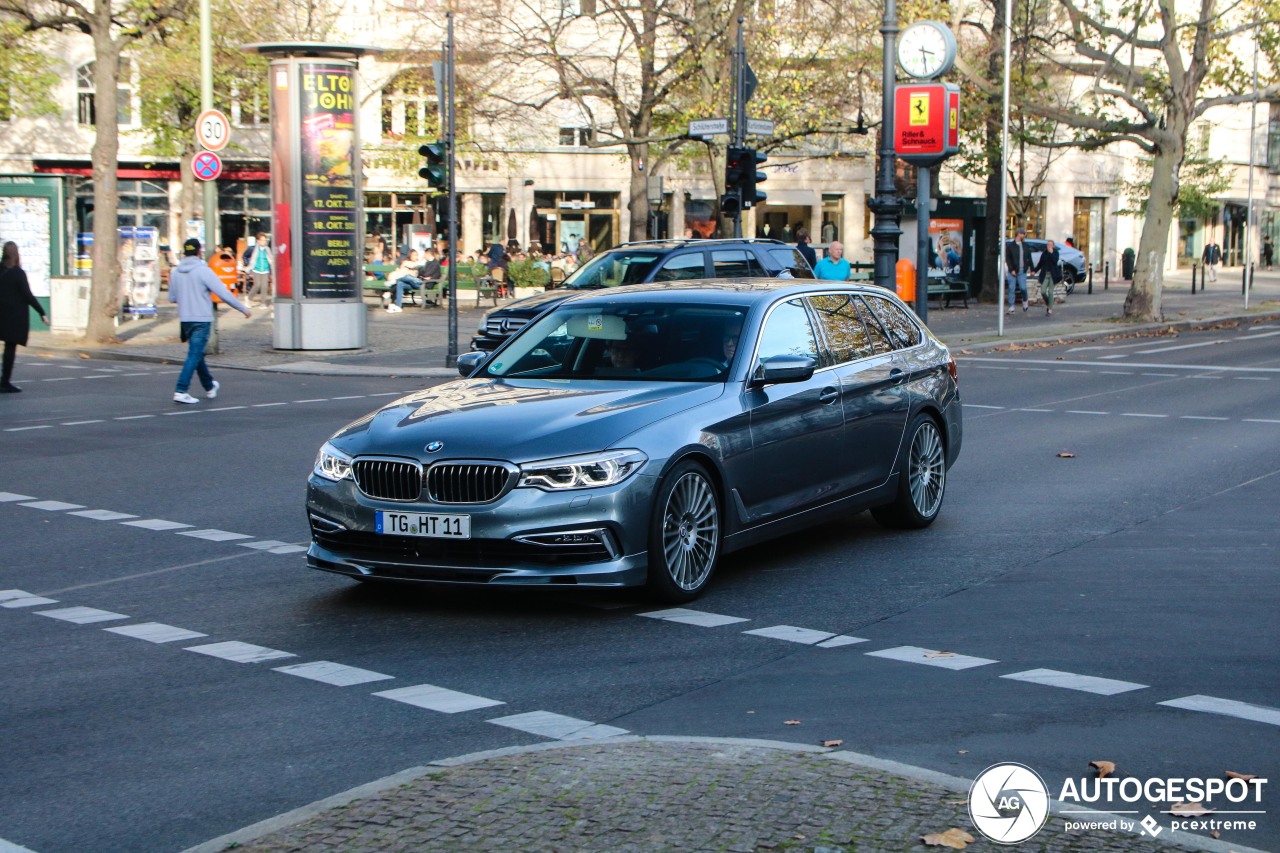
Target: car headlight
pixel 590 471
pixel 332 463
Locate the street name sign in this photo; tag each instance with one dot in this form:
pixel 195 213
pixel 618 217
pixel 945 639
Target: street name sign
pixel 760 126
pixel 708 126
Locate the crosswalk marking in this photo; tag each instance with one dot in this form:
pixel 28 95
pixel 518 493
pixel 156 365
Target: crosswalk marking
pixel 328 672
pixel 931 657
pixel 1227 707
pixel 155 632
pixel 693 617
pixel 792 634
pixel 1072 681
pixel 81 615
pixel 438 699
pixel 557 726
pixel 240 652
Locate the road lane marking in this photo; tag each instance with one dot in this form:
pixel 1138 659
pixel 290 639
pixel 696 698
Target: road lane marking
pixel 10 847
pixel 10 497
pixel 263 544
pixel 316 400
pixel 240 652
pixel 1226 707
pixel 1035 410
pixel 792 634
pixel 1072 681
pixel 1167 375
pixel 328 672
pixel 1105 357
pixel 438 699
pixel 979 406
pixel 226 408
pixel 841 640
pixel 12 598
pixel 557 726
pixel 931 657
pixel 693 617
pixel 24 429
pixel 1261 421
pixel 1140 415
pixel 215 535
pixel 1252 378
pixel 1117 372
pixel 1201 418
pixel 52 506
pixel 1084 412
pixel 1199 368
pixel 102 514
pixel 351 397
pixel 155 524
pixel 268 405
pixel 81 423
pixel 81 615
pixel 155 632
pixel 287 549
pixel 133 417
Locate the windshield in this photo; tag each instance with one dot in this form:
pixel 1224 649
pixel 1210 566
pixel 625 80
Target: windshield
pixel 631 341
pixel 614 268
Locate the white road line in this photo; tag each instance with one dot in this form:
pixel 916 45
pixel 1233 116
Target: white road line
pixel 1249 421
pixel 1072 370
pixel 438 699
pixel 990 367
pixel 61 378
pixel 263 544
pixel 1201 418
pixel 978 406
pixel 1033 368
pixel 267 405
pixel 328 672
pixel 1198 368
pixel 1196 345
pixel 81 423
pixel 1226 707
pixel 1140 415
pixel 155 632
pixel 81 615
pixel 1072 681
pixel 1035 410
pixel 1253 378
pixel 102 514
pixel 155 524
pixel 388 394
pixel 792 634
pixel 1162 374
pixel 317 400
pixel 1105 357
pixel 52 506
pixel 10 847
pixel 1084 412
pixel 931 657
pixel 215 535
pixel 226 408
pixel 240 652
pixel 24 429
pixel 183 412
pixel 12 598
pixel 133 417
pixel 1117 372
pixel 135 374
pixel 557 726
pixel 101 376
pixel 841 640
pixel 693 617
pixel 10 497
pixel 287 549
pixel 352 397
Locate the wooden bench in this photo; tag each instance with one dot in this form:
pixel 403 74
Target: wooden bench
pixel 486 288
pixel 948 288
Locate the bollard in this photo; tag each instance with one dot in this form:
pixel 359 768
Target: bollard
pixel 1244 278
pixel 1089 273
pixel 1194 266
pixel 1106 275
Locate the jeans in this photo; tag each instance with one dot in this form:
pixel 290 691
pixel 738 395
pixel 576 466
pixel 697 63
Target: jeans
pixel 199 338
pixel 1016 285
pixel 405 282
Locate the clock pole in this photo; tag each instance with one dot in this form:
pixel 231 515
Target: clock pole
pixel 886 205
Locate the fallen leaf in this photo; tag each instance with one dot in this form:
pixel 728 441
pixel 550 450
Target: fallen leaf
pixel 1181 809
pixel 1216 834
pixel 1066 454
pixel 1248 777
pixel 84 356
pixel 791 723
pixel 956 839
pixel 836 742
pixel 941 654
pixel 1104 768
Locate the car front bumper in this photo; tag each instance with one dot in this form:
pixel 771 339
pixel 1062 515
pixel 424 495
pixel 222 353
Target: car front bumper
pixel 587 537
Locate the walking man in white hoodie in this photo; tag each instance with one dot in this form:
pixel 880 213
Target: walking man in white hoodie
pixel 190 285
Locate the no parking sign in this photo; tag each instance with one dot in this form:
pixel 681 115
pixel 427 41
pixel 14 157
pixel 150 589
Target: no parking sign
pixel 207 166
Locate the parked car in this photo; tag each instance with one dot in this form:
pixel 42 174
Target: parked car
pixel 634 436
pixel 650 261
pixel 1074 264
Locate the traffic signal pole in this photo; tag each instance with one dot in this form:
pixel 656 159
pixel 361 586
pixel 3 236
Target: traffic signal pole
pixel 739 129
pixel 450 139
pixel 886 204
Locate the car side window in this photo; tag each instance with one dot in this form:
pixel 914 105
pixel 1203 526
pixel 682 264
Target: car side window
pixel 691 265
pixel 879 338
pixel 847 336
pixel 902 329
pixel 792 261
pixel 788 332
pixel 736 263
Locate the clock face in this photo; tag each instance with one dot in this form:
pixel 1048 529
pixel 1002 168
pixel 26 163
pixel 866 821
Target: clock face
pixel 926 49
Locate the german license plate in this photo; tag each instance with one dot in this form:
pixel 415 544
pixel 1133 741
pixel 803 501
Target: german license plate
pixel 430 525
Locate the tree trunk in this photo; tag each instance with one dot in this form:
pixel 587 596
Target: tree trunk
pixel 638 190
pixel 104 300
pixel 1143 299
pixel 186 197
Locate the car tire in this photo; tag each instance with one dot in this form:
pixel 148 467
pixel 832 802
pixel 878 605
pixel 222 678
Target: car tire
pixel 684 533
pixel 922 481
pixel 1069 279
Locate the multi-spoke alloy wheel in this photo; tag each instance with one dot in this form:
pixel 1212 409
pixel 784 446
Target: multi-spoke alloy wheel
pixel 922 481
pixel 686 540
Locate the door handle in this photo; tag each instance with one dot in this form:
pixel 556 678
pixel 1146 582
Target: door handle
pixel 896 376
pixel 828 395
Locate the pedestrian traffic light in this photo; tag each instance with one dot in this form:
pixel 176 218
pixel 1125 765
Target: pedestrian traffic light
pixel 436 172
pixel 736 161
pixel 750 194
pixel 730 205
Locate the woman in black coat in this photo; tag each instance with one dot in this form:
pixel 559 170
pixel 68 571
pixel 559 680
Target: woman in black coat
pixel 1050 269
pixel 16 302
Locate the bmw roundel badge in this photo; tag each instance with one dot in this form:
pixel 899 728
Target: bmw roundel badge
pixel 434 446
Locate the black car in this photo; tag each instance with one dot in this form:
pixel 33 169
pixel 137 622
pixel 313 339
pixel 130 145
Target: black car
pixel 650 261
pixel 630 437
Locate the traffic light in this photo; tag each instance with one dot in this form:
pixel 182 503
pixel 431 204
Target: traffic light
pixel 750 194
pixel 436 172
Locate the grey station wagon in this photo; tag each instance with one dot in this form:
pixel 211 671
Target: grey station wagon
pixel 632 437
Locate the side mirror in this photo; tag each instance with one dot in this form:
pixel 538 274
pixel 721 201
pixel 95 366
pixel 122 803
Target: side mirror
pixel 783 368
pixel 468 363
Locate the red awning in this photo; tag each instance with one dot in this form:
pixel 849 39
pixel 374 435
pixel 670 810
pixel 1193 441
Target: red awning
pixel 152 174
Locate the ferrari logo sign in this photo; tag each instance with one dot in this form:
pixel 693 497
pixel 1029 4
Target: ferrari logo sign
pixel 926 122
pixel 919 109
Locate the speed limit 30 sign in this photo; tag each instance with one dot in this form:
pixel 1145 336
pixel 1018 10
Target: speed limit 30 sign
pixel 213 130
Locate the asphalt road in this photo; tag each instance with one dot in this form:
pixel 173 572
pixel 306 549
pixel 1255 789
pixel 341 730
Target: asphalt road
pixel 1142 570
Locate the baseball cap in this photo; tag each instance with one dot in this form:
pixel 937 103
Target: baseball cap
pixel 191 246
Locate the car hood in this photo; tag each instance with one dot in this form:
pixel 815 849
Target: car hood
pixel 518 420
pixel 535 303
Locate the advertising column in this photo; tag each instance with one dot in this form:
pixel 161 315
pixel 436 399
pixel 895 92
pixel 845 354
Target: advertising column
pixel 315 190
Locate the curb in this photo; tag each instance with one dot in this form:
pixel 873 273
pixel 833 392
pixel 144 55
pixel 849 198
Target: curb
pixel 957 784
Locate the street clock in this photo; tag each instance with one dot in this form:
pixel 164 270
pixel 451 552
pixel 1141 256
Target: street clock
pixel 926 49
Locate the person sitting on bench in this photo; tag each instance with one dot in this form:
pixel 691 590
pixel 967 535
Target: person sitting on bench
pixel 430 274
pixel 403 277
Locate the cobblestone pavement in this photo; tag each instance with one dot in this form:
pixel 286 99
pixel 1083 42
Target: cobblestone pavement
pixel 660 795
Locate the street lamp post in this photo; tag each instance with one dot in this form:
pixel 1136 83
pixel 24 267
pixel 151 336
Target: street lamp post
pixel 886 205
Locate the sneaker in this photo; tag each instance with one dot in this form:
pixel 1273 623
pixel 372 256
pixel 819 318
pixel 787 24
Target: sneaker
pixel 213 392
pixel 394 309
pixel 183 397
pixel 1010 311
pixel 1025 306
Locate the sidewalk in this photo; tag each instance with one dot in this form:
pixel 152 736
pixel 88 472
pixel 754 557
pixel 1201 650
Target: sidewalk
pixel 661 794
pixel 414 343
